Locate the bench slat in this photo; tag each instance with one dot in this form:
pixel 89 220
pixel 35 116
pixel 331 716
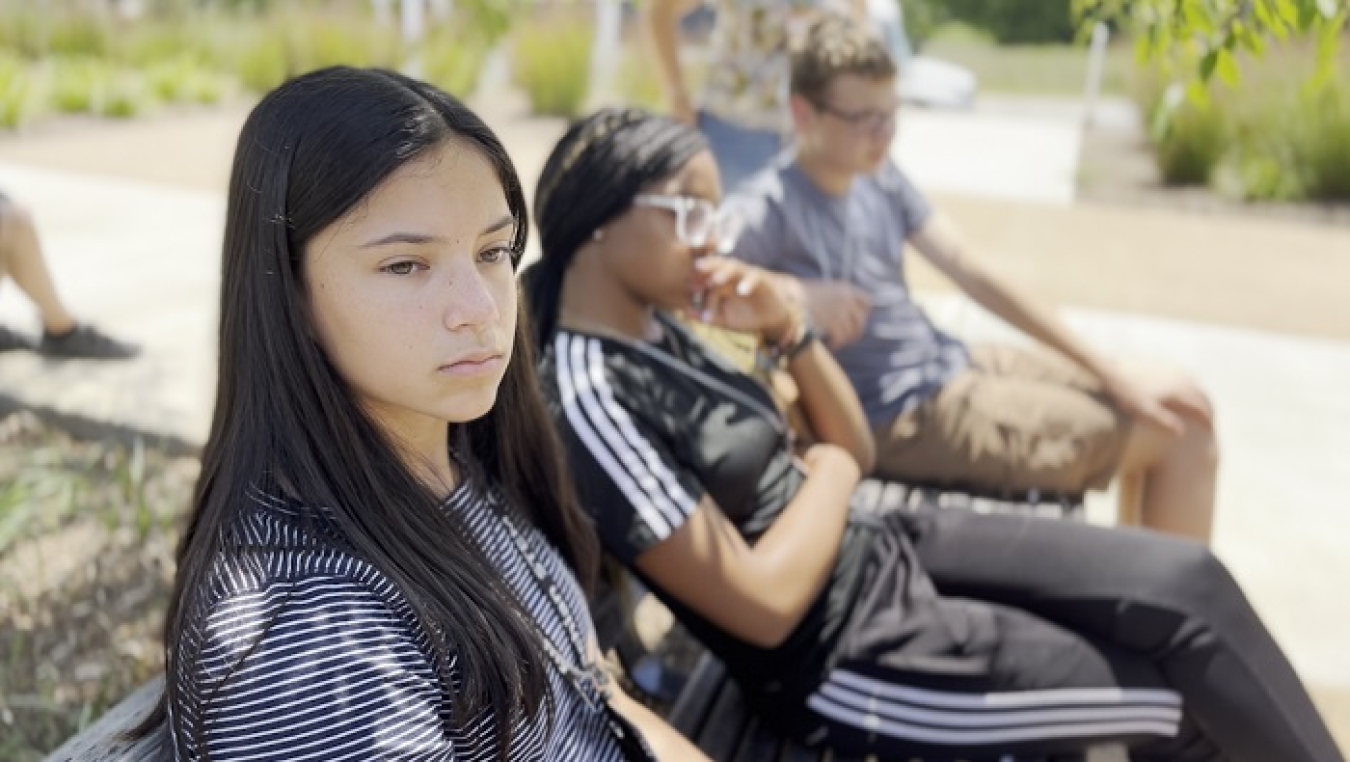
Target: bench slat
pixel 721 735
pixel 103 741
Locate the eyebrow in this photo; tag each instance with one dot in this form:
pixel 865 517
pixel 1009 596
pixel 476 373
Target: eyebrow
pixel 419 238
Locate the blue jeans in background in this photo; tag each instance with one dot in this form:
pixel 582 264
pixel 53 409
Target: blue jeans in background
pixel 739 151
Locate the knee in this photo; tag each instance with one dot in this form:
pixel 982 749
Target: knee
pixel 1194 579
pixel 14 216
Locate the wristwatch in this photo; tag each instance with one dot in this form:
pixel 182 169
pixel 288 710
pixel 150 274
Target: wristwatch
pixel 806 335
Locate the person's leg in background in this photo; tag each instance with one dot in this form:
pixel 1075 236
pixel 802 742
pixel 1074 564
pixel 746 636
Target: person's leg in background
pixel 739 151
pixel 1166 482
pixel 22 261
pixel 1021 420
pixel 918 674
pixel 1167 599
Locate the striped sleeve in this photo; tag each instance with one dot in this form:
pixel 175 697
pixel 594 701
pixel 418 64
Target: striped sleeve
pixel 317 668
pixel 629 479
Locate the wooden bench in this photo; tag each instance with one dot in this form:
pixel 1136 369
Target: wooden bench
pixel 105 741
pixel 728 728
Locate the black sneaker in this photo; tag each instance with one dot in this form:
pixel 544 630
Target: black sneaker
pixel 11 340
pixel 87 343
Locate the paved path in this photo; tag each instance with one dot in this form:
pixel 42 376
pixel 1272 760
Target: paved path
pixel 1257 309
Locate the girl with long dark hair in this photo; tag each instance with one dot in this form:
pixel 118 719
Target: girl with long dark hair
pixel 383 556
pixel 943 634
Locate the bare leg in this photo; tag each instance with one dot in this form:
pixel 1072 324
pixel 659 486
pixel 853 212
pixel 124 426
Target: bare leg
pixel 21 259
pixel 1168 483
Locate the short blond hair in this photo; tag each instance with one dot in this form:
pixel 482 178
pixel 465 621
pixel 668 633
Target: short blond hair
pixel 835 45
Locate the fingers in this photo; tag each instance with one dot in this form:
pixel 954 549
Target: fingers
pixel 1163 418
pixel 1191 403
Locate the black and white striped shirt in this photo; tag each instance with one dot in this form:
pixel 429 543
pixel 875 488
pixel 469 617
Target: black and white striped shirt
pixel 308 653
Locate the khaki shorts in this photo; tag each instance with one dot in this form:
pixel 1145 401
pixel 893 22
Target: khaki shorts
pixel 1016 420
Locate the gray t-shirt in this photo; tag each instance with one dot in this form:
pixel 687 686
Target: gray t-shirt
pixel 792 226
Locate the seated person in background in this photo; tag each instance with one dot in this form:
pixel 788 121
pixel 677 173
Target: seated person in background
pixel 900 634
pixel 838 214
pixel 22 261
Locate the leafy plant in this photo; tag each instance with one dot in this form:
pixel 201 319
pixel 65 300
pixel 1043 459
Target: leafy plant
pixel 552 64
pixel 454 65
pixel 16 92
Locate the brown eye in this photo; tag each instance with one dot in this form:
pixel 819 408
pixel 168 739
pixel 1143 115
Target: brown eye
pixel 400 268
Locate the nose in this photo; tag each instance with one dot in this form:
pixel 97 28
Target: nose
pixel 470 303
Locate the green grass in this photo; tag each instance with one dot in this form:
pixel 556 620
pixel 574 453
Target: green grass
pixel 1030 69
pixel 87 536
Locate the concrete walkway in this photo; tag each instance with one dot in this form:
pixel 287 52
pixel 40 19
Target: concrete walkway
pixel 135 244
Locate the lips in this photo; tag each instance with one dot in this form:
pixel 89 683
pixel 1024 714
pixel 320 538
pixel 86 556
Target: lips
pixel 480 359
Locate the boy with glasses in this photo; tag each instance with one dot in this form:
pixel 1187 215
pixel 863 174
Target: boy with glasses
pixel 838 215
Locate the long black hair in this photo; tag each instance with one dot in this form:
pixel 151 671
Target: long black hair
pixel 285 421
pixel 591 177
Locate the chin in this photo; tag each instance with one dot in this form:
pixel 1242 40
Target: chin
pixel 872 165
pixel 470 405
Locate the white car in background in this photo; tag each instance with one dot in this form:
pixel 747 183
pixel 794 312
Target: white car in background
pixel 924 81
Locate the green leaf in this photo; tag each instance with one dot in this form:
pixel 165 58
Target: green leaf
pixel 1287 12
pixel 1198 93
pixel 1208 63
pixel 1252 42
pixel 1227 67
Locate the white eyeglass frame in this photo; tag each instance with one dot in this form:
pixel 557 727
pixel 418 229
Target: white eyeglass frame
pixel 722 222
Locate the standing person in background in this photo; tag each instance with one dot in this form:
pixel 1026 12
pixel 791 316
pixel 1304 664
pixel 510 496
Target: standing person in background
pixel 22 261
pixel 743 107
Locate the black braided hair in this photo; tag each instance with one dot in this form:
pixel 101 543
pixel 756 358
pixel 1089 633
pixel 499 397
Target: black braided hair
pixel 590 178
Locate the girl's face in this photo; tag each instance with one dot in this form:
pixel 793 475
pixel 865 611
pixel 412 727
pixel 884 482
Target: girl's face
pixel 412 295
pixel 646 253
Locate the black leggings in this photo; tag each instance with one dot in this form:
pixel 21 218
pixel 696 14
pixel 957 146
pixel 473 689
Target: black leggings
pixel 988 635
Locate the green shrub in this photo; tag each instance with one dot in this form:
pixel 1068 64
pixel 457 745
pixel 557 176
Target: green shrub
pixel 552 64
pixel 317 41
pixel 78 34
pixel 84 85
pixel 1274 138
pixel 454 65
pixel 78 84
pixel 262 62
pixel 638 81
pixel 127 95
pixel 23 32
pixel 149 42
pixel 1326 145
pixel 184 80
pixel 294 43
pixel 1189 139
pixel 1008 21
pixel 16 91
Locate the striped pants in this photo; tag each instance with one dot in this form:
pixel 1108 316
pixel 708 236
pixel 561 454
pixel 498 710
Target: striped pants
pixel 977 636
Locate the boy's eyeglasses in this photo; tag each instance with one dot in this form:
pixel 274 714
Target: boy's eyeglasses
pixel 697 221
pixel 865 120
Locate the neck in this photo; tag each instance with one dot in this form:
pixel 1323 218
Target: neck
pixel 425 450
pixel 594 302
pixel 828 178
